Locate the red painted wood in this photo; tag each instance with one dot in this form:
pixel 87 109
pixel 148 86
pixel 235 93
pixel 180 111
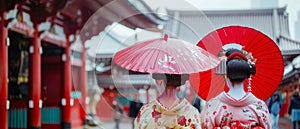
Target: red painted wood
pixel 34 115
pixel 51 126
pixel 55 39
pixel 52 81
pixel 52 60
pixel 23 29
pixel 18 104
pixel 66 110
pixel 3 73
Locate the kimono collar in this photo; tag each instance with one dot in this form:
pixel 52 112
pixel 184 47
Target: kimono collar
pixel 182 102
pixel 248 99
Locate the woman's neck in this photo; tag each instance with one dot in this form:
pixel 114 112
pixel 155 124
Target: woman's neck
pixel 168 98
pixel 237 91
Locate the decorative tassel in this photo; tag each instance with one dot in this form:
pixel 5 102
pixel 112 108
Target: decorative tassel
pixel 249 84
pixel 221 69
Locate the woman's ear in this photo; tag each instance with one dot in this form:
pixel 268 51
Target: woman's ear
pixel 159 82
pixel 160 86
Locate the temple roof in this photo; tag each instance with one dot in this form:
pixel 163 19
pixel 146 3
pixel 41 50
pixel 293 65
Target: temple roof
pixel 272 22
pixel 90 17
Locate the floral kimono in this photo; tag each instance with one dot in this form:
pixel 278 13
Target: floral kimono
pixel 155 116
pixel 225 112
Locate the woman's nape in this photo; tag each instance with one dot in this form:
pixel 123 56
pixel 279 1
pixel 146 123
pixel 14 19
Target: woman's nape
pixel 236 89
pixel 169 82
pixel 169 97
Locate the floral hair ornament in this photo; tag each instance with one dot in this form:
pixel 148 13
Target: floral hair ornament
pixel 221 69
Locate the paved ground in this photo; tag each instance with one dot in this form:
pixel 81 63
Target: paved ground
pixel 125 124
pixel 284 123
pixel 110 124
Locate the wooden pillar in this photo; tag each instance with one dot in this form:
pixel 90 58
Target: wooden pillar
pixel 67 87
pixel 35 102
pixel 83 84
pixel 3 72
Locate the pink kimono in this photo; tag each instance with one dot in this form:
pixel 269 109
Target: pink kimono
pixel 224 111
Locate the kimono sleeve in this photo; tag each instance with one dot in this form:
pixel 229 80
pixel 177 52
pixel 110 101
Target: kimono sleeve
pixel 141 121
pixel 194 120
pixel 207 117
pixel 263 115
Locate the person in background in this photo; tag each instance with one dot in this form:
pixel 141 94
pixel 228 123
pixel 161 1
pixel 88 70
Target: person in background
pixel 94 95
pixel 118 111
pixel 196 102
pixel 134 108
pixel 274 107
pixel 294 109
pixel 237 108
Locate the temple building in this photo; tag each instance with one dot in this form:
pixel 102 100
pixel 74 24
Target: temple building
pixel 43 56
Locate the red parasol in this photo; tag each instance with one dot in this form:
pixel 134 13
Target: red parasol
pixel 165 55
pixel 269 62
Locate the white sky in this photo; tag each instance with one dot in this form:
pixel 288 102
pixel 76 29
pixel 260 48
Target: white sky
pixel 293 6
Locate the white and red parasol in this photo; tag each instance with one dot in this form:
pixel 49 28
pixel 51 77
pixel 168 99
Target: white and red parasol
pixel 165 55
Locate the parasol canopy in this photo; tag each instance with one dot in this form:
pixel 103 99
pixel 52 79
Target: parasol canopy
pixel 269 62
pixel 165 55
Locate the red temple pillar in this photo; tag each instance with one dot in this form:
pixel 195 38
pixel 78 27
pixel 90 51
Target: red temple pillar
pixel 83 84
pixel 3 73
pixel 67 87
pixel 35 102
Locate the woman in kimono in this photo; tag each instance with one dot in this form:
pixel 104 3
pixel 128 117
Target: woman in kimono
pixel 168 111
pixel 236 109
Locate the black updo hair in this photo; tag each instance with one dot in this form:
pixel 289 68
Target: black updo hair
pixel 238 69
pixel 172 79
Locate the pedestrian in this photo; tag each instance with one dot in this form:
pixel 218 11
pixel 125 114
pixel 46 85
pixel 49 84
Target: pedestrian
pixel 196 102
pixel 134 108
pixel 274 107
pixel 94 94
pixel 118 112
pixel 237 108
pixel 294 109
